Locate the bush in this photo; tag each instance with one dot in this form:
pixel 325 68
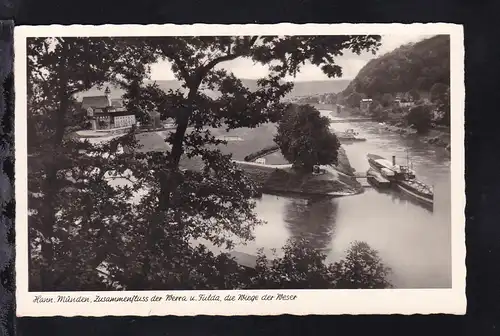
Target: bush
pixel 302 267
pixel 420 117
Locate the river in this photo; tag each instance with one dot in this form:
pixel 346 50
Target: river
pixel 411 239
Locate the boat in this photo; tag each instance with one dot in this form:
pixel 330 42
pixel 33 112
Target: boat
pixel 403 177
pixel 417 189
pixel 376 179
pixel 350 135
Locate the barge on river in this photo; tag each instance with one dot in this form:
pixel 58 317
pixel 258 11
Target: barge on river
pixel 402 177
pixel 350 135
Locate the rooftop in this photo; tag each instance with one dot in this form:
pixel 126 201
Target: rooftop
pixel 116 102
pixel 95 102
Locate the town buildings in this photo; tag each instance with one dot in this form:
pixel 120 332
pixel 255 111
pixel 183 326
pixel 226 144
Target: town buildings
pixel 106 113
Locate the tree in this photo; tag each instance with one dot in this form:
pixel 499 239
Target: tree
pixel 235 106
pixel 378 112
pixel 65 223
pixel 438 92
pixel 420 117
pixel 238 106
pixel 440 96
pixel 374 105
pixel 387 100
pixel 330 98
pixel 361 268
pixel 305 139
pixel 302 267
pixel 354 99
pixel 145 101
pixel 414 94
pixel 443 107
pixel 152 232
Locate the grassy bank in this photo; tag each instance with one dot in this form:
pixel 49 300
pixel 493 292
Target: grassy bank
pixel 284 179
pixel 250 141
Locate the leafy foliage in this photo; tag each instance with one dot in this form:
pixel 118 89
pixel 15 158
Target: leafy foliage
pixel 361 268
pixel 440 96
pixel 377 111
pixel 60 179
pixel 302 267
pixel 415 66
pixel 354 99
pixel 128 218
pixel 387 100
pixel 305 139
pixel 420 117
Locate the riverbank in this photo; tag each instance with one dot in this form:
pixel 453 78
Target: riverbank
pixel 439 137
pixel 337 180
pixel 284 179
pixel 433 136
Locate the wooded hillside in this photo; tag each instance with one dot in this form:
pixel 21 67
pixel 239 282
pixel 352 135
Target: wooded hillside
pixel 415 66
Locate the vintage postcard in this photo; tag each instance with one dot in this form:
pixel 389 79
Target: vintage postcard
pixel 240 169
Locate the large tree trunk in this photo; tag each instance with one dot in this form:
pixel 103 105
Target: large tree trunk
pixel 169 178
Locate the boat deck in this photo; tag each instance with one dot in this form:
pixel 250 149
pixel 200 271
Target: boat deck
pixel 420 186
pixel 377 179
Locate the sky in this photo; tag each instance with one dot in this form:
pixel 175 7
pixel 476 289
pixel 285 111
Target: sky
pixel 350 63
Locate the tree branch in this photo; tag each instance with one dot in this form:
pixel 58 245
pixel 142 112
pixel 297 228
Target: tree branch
pixel 177 60
pixel 229 57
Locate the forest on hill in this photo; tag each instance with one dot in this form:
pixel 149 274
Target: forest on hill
pixel 408 87
pixel 416 66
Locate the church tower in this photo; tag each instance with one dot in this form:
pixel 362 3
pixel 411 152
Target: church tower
pixel 107 92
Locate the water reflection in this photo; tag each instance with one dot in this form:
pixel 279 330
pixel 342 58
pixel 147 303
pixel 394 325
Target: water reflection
pixel 313 219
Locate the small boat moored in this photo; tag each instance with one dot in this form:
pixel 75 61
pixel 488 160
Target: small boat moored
pixel 350 135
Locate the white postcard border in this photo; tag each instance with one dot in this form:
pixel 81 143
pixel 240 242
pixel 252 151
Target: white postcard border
pixel 388 301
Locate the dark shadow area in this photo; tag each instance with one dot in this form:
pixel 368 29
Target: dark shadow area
pixel 7 237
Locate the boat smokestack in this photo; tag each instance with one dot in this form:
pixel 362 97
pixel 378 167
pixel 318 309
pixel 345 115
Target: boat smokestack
pixel 394 160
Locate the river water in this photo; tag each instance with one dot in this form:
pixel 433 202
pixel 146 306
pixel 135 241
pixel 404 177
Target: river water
pixel 411 239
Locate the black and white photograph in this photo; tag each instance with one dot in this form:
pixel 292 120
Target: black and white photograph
pixel 260 169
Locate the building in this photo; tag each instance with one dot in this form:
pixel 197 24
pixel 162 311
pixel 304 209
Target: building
pixel 106 113
pixel 261 160
pixel 403 100
pixel 404 103
pixel 364 105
